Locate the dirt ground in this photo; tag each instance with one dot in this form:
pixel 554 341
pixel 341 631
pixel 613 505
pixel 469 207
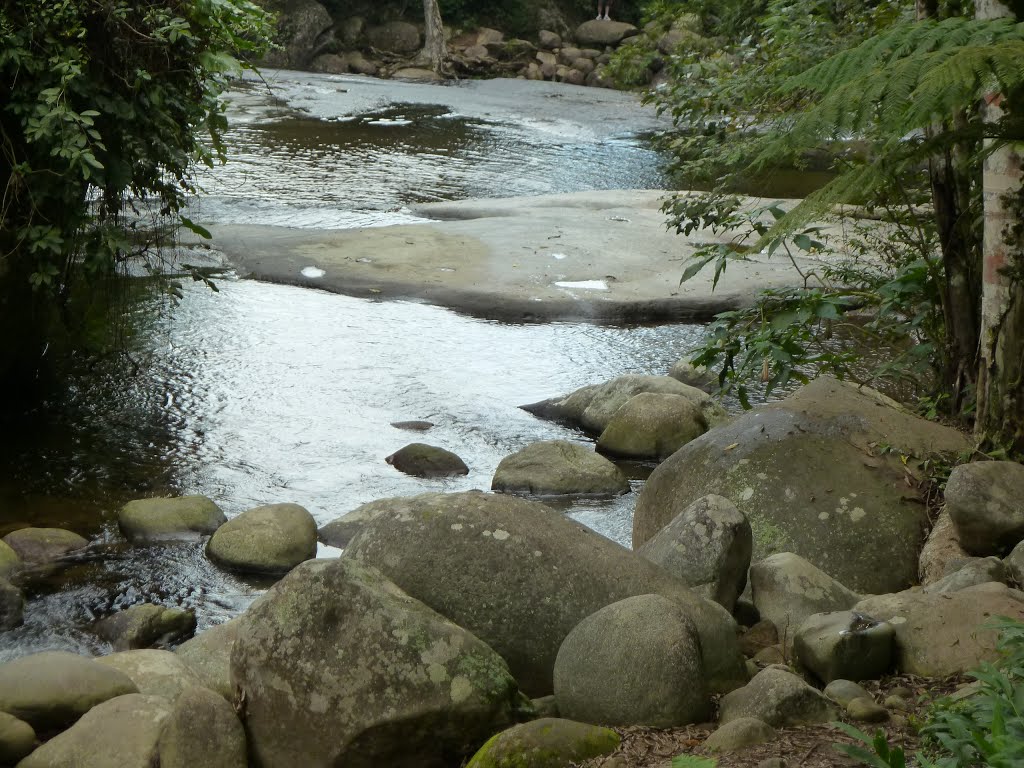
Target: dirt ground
pixel 805 747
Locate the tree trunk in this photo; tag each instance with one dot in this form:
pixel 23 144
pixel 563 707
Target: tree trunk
pixel 1000 415
pixel 435 52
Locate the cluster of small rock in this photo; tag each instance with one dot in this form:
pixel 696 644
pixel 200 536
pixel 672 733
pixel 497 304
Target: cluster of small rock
pixel 494 628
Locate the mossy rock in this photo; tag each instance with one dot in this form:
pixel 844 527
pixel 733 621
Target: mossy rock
pixel 546 743
pixel 169 519
pixel 422 460
pixel 36 546
pixel 559 468
pixel 270 539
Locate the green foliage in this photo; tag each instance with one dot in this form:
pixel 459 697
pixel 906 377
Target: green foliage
pixel 881 754
pixel 106 107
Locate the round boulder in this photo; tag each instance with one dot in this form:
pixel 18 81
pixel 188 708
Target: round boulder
pixel 652 426
pixel 545 743
pixel 634 662
pixel 51 690
pixel 601 33
pixel 143 626
pixel 155 673
pixel 422 460
pixel 337 666
pixel 271 539
pixel 17 739
pixel 184 518
pixel 985 500
pixel 208 656
pixel 778 698
pixel 520 576
pixel 395 37
pixel 35 546
pixel 739 734
pixel 559 468
pixel 202 731
pixel 807 474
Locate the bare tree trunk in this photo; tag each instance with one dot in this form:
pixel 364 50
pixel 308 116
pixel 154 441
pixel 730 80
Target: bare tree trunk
pixel 435 52
pixel 1000 417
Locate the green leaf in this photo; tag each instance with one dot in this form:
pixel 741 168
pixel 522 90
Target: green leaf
pixel 196 228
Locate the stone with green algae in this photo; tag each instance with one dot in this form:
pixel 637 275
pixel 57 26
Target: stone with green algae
pixel 546 743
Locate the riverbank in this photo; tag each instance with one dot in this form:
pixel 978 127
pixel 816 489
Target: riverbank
pixel 599 256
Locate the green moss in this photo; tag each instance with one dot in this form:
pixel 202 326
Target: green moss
pixel 769 538
pixel 547 743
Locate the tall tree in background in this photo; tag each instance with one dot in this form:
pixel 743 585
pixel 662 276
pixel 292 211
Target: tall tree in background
pixel 435 51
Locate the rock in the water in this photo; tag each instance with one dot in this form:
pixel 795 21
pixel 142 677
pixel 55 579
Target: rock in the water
pixel 707 547
pixel 865 710
pixel 155 673
pixel 701 378
pixel 202 731
pixel 123 732
pixel 788 590
pixel 143 626
pixel 337 666
pixel 208 656
pixel 545 743
pixel 422 460
pixel 51 690
pixel 844 645
pixel 270 539
pixel 559 468
pixel 395 37
pixel 413 426
pixel 339 532
pixel 35 546
pixel 601 33
pixel 804 473
pixel 9 560
pixel 842 692
pixel 738 734
pixel 12 605
pixel 779 698
pixel 976 570
pixel 985 500
pixel 183 518
pixel 652 426
pixel 634 662
pixel 520 576
pixel 17 739
pixel 942 634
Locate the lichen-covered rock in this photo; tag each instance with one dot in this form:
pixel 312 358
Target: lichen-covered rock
pixel 779 698
pixel 155 673
pixel 806 475
pixel 707 547
pixel 422 460
pixel 208 656
pixel 17 739
pixel 12 605
pixel 51 690
pixel 738 734
pixel 652 426
pixel 634 662
pixel 985 500
pixel 202 731
pixel 788 590
pixel 972 571
pixel 182 518
pixel 35 546
pixel 844 645
pixel 269 539
pixel 601 33
pixel 143 626
pixel 304 30
pixel 545 743
pixel 123 732
pixel 521 576
pixel 339 532
pixel 943 634
pixel 395 37
pixel 337 666
pixel 559 468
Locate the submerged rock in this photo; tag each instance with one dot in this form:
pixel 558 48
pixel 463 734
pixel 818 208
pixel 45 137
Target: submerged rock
pixel 422 460
pixel 545 743
pixel 183 518
pixel 559 468
pixel 270 539
pixel 143 626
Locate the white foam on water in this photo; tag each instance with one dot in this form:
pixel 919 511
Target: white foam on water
pixel 312 272
pixel 587 285
pixel 559 256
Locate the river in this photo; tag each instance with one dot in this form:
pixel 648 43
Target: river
pixel 263 393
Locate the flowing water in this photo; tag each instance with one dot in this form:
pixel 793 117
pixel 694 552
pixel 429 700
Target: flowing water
pixel 264 393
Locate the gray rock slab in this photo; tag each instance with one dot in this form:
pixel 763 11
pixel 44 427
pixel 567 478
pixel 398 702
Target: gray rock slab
pixel 985 500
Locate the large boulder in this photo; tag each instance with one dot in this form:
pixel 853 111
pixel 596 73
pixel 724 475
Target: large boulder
pixel 810 474
pixel 944 634
pixel 985 500
pixel 788 590
pixel 521 576
pixel 652 426
pixel 269 539
pixel 305 28
pixel 337 666
pixel 601 33
pixel 707 547
pixel 51 690
pixel 17 739
pixel 123 732
pixel 36 546
pixel 155 673
pixel 183 518
pixel 143 626
pixel 395 37
pixel 208 656
pixel 778 698
pixel 422 460
pixel 558 468
pixel 202 731
pixel 634 662
pixel 339 532
pixel 545 743
pixel 842 645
